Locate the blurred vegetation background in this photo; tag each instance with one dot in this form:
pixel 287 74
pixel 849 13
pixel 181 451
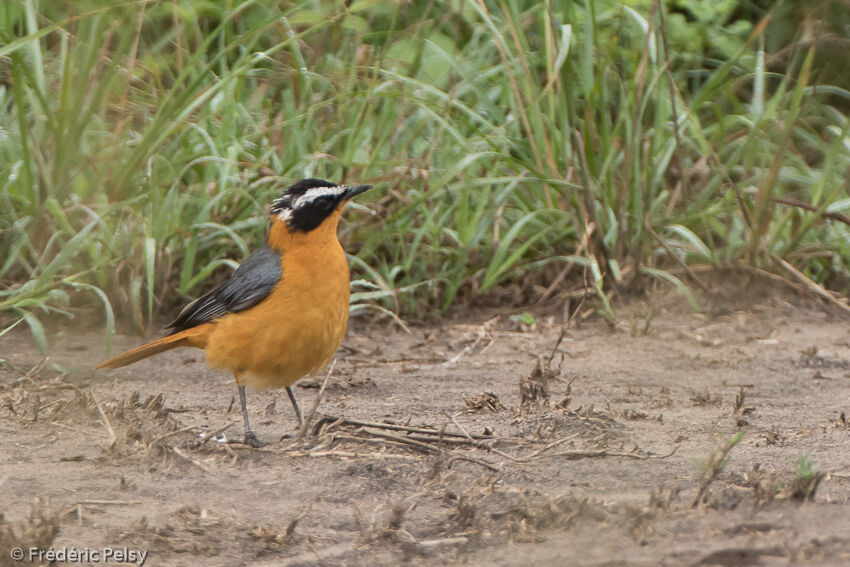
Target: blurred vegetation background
pixel 522 150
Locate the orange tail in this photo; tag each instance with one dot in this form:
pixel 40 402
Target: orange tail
pixel 194 337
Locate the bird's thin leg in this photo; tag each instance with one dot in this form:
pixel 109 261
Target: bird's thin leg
pixel 295 406
pixel 250 439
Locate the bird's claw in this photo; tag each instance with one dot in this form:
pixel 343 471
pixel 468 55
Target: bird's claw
pixel 251 440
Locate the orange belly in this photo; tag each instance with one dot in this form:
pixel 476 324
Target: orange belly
pixel 295 331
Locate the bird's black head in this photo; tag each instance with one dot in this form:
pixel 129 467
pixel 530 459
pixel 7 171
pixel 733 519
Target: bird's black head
pixel 304 205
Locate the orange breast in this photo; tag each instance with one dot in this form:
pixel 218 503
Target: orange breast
pixel 298 328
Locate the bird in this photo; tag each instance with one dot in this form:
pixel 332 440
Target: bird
pixel 284 312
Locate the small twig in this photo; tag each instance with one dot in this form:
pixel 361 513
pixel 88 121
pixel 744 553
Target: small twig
pixel 561 275
pixel 109 502
pixel 716 461
pixel 424 447
pixel 312 413
pixel 36 403
pixel 395 427
pixel 539 452
pixel 77 429
pixel 111 438
pixel 810 284
pixel 35 370
pixel 53 403
pixel 482 445
pixel 800 204
pixel 170 434
pixel 430 543
pixel 524 459
pixel 560 339
pixel 232 453
pixel 575 455
pixel 675 257
pixel 351 455
pixel 711 268
pixel 327 424
pixel 188 458
pixel 485 464
pixel 446 440
pixel 564 330
pixel 483 331
pixel 459 426
pixel 383 442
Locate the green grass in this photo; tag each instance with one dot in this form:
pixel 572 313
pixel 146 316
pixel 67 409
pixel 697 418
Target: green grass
pixel 510 141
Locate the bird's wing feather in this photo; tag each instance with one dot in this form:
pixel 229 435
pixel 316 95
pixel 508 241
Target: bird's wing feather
pixel 249 285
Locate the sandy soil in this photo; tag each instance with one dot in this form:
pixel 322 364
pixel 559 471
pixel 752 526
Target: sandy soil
pixel 630 461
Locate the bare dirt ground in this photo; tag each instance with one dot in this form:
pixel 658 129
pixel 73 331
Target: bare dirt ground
pixel 631 460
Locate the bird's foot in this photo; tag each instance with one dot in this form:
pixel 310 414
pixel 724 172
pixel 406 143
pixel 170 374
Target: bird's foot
pixel 251 440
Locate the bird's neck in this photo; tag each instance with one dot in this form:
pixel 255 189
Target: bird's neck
pixel 283 238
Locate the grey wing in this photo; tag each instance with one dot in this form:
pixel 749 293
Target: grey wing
pixel 250 284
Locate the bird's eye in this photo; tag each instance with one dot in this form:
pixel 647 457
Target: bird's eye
pixel 324 203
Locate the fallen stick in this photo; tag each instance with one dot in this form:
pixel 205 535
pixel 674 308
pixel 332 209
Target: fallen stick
pixel 424 447
pixel 384 442
pixel 170 434
pixel 394 427
pixel 312 412
pixel 811 284
pixel 809 207
pixel 109 502
pixel 351 455
pixel 483 463
pixel 443 542
pixel 181 454
pixel 111 438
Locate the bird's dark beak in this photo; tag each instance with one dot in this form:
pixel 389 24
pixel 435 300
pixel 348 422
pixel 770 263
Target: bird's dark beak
pixel 353 190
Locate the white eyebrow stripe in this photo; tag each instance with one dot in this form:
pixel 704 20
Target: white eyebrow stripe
pixel 316 193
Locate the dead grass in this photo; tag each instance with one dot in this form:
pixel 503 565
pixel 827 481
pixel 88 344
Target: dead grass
pixel 706 398
pixel 713 465
pixel 488 401
pixel 146 430
pixel 525 514
pixel 38 530
pixel 534 389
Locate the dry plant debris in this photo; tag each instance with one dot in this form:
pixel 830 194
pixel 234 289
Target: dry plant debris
pixel 706 398
pixel 488 401
pixel 489 477
pixel 534 390
pixel 145 430
pixel 330 432
pixel 525 513
pixel 712 467
pixel 202 532
pixel 761 486
pixel 38 530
